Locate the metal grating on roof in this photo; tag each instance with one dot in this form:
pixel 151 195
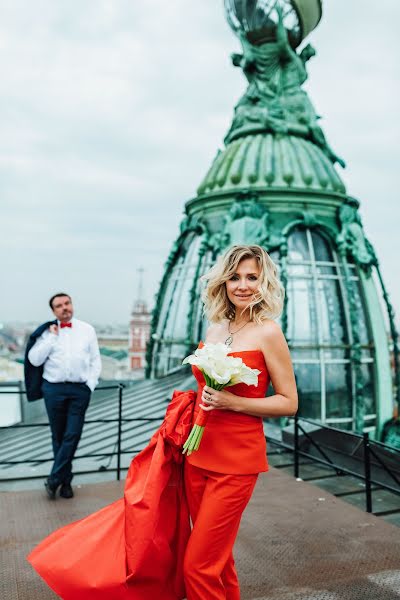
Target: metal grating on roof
pixel 295 542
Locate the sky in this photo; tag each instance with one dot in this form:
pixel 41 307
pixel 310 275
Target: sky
pixel 111 112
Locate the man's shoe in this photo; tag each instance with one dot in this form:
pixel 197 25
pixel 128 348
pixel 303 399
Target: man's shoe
pixel 66 491
pixel 50 489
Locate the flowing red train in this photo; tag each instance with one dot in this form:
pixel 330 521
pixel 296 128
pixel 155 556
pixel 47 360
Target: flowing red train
pixel 132 549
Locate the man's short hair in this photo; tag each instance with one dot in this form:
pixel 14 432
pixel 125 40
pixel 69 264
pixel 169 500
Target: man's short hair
pixel 59 295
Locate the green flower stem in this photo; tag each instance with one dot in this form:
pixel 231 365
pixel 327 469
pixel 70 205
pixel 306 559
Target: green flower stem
pixel 214 384
pixel 194 439
pixel 196 433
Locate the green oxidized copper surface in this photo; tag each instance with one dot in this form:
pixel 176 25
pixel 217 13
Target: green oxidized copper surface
pixel 277 176
pixel 271 161
pixel 275 100
pixel 275 139
pixel 310 14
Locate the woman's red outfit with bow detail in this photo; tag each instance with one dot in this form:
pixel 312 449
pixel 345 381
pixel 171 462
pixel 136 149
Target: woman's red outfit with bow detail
pixel 142 547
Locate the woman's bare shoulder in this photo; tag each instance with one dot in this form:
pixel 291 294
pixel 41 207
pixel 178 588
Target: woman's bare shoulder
pixel 270 332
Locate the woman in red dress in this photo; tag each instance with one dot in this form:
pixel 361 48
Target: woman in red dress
pixel 242 297
pixel 142 546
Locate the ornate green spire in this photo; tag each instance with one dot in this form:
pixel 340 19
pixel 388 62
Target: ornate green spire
pixel 274 101
pixel 275 138
pixel 275 183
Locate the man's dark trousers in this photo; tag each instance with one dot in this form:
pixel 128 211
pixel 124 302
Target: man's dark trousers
pixel 66 404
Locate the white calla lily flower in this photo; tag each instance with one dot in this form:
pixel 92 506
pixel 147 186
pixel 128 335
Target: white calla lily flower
pixel 220 370
pixel 216 363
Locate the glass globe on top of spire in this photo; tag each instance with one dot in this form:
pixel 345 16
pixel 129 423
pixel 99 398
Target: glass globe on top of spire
pixel 258 19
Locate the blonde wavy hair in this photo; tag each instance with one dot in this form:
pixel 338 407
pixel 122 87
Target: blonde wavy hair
pixel 267 303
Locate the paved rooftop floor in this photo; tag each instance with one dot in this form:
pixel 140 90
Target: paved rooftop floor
pixel 296 542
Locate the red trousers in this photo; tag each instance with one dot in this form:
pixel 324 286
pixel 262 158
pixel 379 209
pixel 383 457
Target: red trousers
pixel 216 503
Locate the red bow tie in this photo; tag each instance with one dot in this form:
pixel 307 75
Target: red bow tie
pixel 62 325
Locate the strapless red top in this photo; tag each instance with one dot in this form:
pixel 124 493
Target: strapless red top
pixel 233 442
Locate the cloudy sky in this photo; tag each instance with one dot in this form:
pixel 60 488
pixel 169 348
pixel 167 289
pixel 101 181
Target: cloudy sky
pixel 111 112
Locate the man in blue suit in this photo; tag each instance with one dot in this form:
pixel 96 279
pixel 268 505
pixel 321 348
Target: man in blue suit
pixel 62 365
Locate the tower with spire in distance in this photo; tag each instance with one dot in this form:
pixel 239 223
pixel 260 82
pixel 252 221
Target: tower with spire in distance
pixel 139 327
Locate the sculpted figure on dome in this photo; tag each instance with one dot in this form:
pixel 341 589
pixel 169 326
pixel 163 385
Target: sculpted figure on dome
pixel 293 72
pixel 246 222
pixel 351 237
pixel 218 241
pixel 192 223
pixel 274 100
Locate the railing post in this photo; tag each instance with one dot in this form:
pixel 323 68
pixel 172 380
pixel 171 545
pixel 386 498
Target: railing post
pixel 296 446
pixel 367 472
pixel 120 388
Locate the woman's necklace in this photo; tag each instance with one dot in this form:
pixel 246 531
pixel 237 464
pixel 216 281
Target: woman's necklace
pixel 229 339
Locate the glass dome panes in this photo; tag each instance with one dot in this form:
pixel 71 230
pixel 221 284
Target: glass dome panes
pixel 253 16
pixel 172 328
pixel 362 325
pixel 332 352
pixel 167 299
pixel 319 331
pixel 179 285
pixel 308 380
pixel 199 322
pixel 298 247
pixel 338 384
pixel 302 312
pixel 299 269
pixel 332 317
pixel 321 250
pixel 382 301
pixel 325 269
pixel 368 389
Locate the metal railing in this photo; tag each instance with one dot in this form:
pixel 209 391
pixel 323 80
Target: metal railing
pixel 368 453
pixel 118 452
pixel 361 440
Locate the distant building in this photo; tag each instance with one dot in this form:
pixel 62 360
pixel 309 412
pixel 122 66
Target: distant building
pixel 11 370
pixel 114 364
pixel 114 340
pixel 139 330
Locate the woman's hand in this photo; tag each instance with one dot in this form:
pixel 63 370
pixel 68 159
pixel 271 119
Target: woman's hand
pixel 212 399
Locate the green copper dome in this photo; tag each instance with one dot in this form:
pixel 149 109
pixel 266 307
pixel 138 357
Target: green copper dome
pixel 273 162
pixel 276 183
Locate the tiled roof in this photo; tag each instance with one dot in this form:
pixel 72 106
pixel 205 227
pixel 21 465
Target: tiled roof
pixel 146 398
pixel 117 354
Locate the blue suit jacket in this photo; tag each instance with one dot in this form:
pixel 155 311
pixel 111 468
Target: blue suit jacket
pixel 34 375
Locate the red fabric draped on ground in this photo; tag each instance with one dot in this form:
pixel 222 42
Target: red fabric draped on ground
pixel 133 548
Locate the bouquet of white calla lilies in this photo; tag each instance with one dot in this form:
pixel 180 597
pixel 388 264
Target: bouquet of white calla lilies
pixel 220 370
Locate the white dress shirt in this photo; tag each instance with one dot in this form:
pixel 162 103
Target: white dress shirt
pixel 71 355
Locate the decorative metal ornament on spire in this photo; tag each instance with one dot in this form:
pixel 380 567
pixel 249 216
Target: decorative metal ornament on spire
pixel 258 19
pixel 270 31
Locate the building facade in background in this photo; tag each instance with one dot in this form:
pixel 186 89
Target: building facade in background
pixel 123 348
pixel 275 183
pixel 139 334
pixel 139 329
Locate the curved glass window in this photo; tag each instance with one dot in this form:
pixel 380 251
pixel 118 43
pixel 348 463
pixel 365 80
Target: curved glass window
pixel 319 332
pixel 200 323
pixel 172 330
